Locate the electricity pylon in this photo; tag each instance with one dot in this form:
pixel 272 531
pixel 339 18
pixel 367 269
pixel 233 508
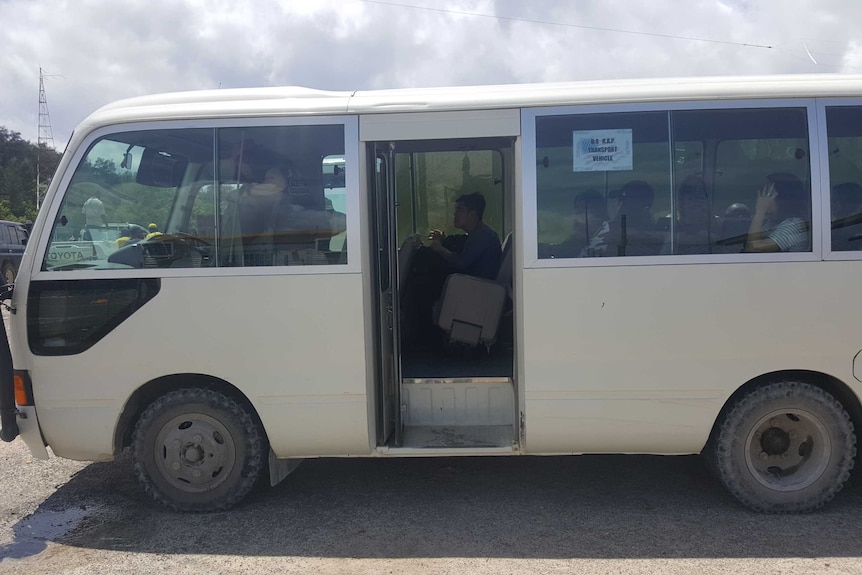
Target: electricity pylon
pixel 46 136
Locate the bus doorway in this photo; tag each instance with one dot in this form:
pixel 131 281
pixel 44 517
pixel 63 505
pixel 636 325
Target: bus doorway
pixel 446 342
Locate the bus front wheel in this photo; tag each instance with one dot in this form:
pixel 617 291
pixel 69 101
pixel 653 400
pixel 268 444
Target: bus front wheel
pixel 786 447
pixel 197 450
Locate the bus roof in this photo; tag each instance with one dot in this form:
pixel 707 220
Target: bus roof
pixel 263 102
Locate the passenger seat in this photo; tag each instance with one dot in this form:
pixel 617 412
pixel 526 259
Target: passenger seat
pixel 471 307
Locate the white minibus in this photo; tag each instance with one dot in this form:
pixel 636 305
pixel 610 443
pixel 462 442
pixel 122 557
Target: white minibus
pixel 651 266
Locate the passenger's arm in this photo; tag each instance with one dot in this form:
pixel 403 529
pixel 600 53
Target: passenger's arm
pixel 436 237
pixel 438 249
pixel 765 202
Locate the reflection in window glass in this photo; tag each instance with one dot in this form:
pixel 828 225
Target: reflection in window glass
pixel 428 183
pixel 157 199
pixel 602 180
pixel 844 129
pixel 750 147
pixel 694 192
pixel 120 198
pixel 283 210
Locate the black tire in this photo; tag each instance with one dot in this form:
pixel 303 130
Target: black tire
pixel 786 447
pixel 9 273
pixel 197 450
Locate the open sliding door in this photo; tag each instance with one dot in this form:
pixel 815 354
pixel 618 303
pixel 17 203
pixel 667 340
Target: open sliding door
pixel 382 169
pixel 433 398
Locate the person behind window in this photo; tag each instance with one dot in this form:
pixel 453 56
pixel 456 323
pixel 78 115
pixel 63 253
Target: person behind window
pixel 632 231
pixel 476 253
pixel 94 216
pixel 268 217
pixel 782 199
pixel 590 216
pixel 693 229
pixel 480 252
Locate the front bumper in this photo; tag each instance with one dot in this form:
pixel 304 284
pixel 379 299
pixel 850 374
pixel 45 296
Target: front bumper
pixel 28 426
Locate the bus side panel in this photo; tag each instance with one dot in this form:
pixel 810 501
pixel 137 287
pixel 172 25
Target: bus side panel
pixel 641 359
pixel 293 344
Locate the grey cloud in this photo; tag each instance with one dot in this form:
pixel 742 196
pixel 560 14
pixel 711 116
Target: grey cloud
pixel 107 50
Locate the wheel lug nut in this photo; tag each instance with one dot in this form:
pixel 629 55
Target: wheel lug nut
pixel 175 466
pixel 764 455
pixel 757 436
pixel 196 473
pixel 197 438
pixel 176 444
pixel 773 422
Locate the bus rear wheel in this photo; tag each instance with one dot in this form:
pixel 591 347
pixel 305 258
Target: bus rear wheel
pixel 197 450
pixel 786 447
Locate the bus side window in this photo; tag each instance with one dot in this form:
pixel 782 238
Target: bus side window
pixel 844 132
pixel 746 146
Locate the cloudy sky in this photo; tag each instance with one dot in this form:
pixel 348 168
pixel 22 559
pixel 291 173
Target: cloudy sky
pixel 97 51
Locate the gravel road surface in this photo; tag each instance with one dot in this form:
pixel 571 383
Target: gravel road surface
pixel 595 514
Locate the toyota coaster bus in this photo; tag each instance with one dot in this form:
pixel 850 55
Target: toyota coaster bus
pixel 679 267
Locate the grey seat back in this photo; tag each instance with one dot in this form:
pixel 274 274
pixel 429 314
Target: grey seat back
pixel 471 308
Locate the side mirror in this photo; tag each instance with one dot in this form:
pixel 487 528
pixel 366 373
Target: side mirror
pixel 126 164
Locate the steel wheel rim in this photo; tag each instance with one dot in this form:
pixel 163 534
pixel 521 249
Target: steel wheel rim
pixel 788 449
pixel 195 452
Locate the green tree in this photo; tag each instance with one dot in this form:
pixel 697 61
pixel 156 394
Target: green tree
pixel 18 165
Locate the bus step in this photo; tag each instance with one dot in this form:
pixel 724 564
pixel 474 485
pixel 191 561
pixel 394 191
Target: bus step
pixel 468 436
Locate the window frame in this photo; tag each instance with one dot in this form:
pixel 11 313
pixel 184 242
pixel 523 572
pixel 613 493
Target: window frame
pixel 352 191
pixel 826 178
pixel 529 199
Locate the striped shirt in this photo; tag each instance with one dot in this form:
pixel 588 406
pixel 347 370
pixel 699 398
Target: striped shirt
pixel 791 235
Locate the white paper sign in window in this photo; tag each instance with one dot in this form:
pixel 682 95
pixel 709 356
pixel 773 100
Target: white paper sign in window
pixel 602 150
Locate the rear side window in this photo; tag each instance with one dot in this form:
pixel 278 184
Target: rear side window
pixel 672 182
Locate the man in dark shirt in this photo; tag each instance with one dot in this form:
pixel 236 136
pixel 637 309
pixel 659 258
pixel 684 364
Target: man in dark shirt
pixel 477 254
pixel 480 254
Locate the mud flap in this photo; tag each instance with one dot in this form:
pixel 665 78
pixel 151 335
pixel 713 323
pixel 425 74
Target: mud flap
pixel 281 468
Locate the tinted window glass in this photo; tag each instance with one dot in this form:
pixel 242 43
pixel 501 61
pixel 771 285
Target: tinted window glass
pixel 428 183
pixel 616 184
pixel 202 198
pixel 748 148
pixel 68 317
pixel 844 130
pixel 602 180
pixel 280 203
